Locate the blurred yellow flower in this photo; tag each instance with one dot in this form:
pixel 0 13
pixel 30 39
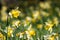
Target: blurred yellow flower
pixel 45 5
pixel 49 21
pixel 39 26
pixel 16 23
pixel 3 13
pixel 17 34
pixel 45 14
pixel 10 31
pixel 35 14
pixel 20 34
pixel 55 21
pixel 49 26
pixel 4 8
pixel 4 17
pixel 15 13
pixel 2 37
pixel 56 35
pixel 28 19
pixel 26 22
pixel 32 32
pixel 59 13
pixel 33 20
pixel 51 38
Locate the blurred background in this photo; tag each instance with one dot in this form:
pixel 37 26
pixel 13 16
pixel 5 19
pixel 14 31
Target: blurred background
pixel 26 3
pixel 29 19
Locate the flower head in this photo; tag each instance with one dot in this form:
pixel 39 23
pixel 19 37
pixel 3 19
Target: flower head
pixel 9 32
pixel 2 37
pixel 51 38
pixel 15 13
pixel 16 23
pixel 49 26
pixel 30 32
pixel 55 21
pixel 39 26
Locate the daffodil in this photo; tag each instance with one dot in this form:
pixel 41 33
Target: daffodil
pixel 49 26
pixel 45 14
pixel 39 26
pixel 15 13
pixel 31 32
pixel 35 14
pixel 45 5
pixel 28 19
pixel 26 22
pixel 33 20
pixel 16 23
pixel 9 32
pixel 59 14
pixel 50 21
pixel 4 17
pixel 55 21
pixel 4 8
pixel 2 37
pixel 20 34
pixel 4 14
pixel 51 38
pixel 56 36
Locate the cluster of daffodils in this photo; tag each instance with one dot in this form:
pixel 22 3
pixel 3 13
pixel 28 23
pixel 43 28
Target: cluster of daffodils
pixel 43 23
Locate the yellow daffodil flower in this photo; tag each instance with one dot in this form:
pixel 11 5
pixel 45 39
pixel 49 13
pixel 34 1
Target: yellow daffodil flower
pixel 16 23
pixel 51 38
pixel 4 17
pixel 49 26
pixel 2 37
pixel 32 32
pixel 15 13
pixel 10 31
pixel 45 14
pixel 55 21
pixel 35 14
pixel 28 19
pixel 45 5
pixel 20 34
pixel 3 13
pixel 39 26
pixel 33 20
pixel 26 22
